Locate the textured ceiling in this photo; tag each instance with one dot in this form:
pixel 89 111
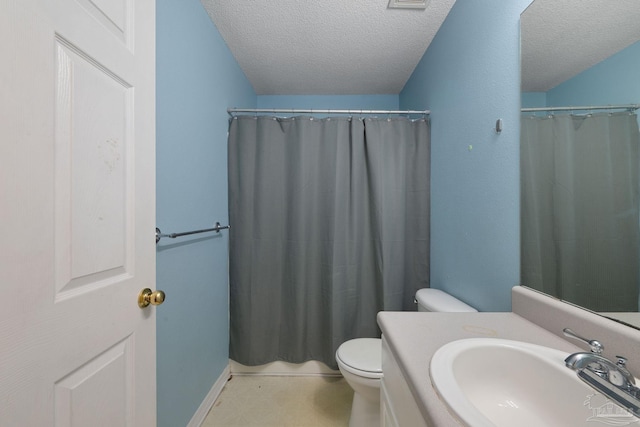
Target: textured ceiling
pixel 561 38
pixel 326 47
pixel 341 47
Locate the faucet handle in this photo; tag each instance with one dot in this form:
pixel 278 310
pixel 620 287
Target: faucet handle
pixel 622 367
pixel 596 346
pixel 622 361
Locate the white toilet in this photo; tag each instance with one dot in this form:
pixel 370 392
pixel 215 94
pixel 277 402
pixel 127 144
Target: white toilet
pixel 360 360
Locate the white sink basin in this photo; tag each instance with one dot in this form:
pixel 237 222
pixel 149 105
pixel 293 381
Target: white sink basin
pixel 495 382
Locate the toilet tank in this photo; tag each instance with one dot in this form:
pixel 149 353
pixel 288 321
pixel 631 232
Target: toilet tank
pixel 429 299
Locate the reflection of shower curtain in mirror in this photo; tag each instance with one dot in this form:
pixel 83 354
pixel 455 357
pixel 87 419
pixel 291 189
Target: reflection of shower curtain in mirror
pixel 579 208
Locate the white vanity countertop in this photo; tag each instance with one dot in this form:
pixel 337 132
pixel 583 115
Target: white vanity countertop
pixel 414 337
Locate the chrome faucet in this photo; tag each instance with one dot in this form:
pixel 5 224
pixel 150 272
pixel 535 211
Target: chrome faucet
pixel 612 379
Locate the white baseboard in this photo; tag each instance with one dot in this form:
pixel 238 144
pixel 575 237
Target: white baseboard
pixel 210 399
pixel 279 368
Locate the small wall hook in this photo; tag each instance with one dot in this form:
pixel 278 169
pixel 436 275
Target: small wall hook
pixel 498 125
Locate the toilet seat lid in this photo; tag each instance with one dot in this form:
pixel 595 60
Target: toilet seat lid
pixel 362 354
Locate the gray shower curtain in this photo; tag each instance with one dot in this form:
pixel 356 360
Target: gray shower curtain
pixel 579 208
pixel 330 225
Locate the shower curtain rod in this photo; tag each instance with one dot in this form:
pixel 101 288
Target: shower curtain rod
pixel 233 111
pixel 629 107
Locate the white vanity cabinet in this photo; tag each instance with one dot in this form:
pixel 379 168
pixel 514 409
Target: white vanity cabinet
pixel 398 407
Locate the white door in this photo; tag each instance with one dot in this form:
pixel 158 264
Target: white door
pixel 77 209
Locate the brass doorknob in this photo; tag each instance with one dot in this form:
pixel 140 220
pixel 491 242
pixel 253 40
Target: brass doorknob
pixel 147 296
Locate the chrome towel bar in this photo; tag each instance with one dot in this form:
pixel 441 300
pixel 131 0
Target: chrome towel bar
pixel 217 229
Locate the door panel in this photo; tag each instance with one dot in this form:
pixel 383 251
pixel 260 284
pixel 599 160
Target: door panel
pixel 77 211
pixel 79 396
pixel 114 15
pixel 93 175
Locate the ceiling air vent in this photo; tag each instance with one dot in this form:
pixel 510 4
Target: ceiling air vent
pixel 408 4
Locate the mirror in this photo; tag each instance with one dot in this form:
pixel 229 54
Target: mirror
pixel 586 53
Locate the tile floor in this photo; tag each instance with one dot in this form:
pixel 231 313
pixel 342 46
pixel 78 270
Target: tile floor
pixel 270 401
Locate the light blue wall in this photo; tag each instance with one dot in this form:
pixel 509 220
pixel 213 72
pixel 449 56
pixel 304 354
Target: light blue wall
pixel 615 80
pixel 534 99
pixel 197 79
pixel 469 78
pixel 333 102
